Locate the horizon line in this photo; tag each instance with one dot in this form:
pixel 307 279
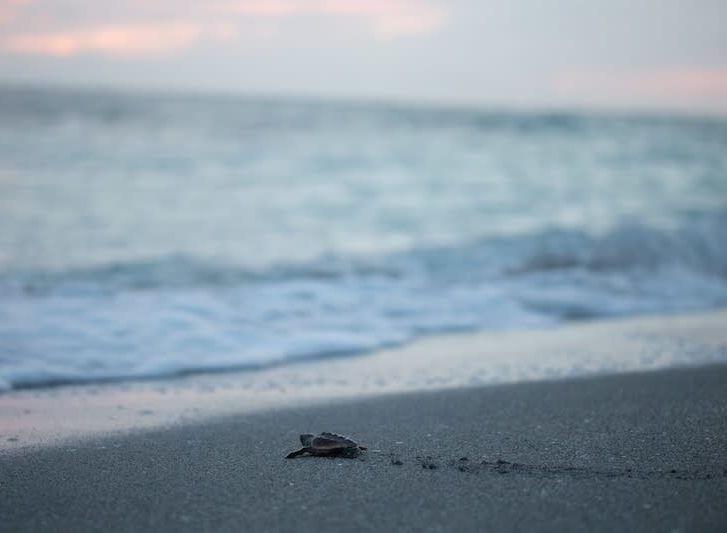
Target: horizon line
pixel 526 108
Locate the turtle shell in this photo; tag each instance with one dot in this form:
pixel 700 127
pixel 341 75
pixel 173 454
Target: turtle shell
pixel 330 442
pixel 327 444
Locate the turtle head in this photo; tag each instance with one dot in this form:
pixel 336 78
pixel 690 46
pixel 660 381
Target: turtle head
pixel 306 439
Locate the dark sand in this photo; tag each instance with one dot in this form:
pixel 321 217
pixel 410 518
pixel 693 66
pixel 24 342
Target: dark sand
pixel 630 452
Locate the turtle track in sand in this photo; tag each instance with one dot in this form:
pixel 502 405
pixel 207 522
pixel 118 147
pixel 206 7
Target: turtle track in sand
pixel 502 467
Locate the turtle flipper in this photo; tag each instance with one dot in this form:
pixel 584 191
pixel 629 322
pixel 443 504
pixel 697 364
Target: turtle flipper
pixel 293 455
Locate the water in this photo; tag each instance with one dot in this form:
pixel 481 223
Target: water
pixel 157 235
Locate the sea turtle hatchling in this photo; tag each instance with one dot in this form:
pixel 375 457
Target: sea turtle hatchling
pixel 327 445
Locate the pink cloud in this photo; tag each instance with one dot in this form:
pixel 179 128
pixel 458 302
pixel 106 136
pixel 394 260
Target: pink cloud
pixel 117 40
pixel 391 18
pixel 9 9
pixel 705 86
pixel 144 33
pixel 408 23
pixel 384 17
pixel 271 8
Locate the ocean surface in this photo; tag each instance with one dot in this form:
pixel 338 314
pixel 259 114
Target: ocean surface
pixel 155 235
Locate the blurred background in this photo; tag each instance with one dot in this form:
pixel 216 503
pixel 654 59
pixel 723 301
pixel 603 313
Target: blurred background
pixel 190 186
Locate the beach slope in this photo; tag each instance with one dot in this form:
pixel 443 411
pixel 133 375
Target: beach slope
pixel 643 451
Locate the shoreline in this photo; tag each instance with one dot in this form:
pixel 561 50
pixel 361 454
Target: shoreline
pixel 32 418
pixel 635 451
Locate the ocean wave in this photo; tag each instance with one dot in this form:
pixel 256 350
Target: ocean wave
pixel 697 247
pixel 176 315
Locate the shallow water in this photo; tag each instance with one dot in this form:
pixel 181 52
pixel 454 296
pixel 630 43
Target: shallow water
pixel 156 235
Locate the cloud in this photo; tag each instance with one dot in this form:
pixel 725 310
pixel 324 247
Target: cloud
pixel 422 22
pixel 707 86
pixel 139 28
pixel 9 9
pixel 388 18
pixel 115 40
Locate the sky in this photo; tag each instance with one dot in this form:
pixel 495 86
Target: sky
pixel 633 54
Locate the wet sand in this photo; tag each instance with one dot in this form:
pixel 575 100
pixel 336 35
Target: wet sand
pixel 644 451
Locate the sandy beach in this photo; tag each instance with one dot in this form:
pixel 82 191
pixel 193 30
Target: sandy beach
pixel 635 451
pixel 632 452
